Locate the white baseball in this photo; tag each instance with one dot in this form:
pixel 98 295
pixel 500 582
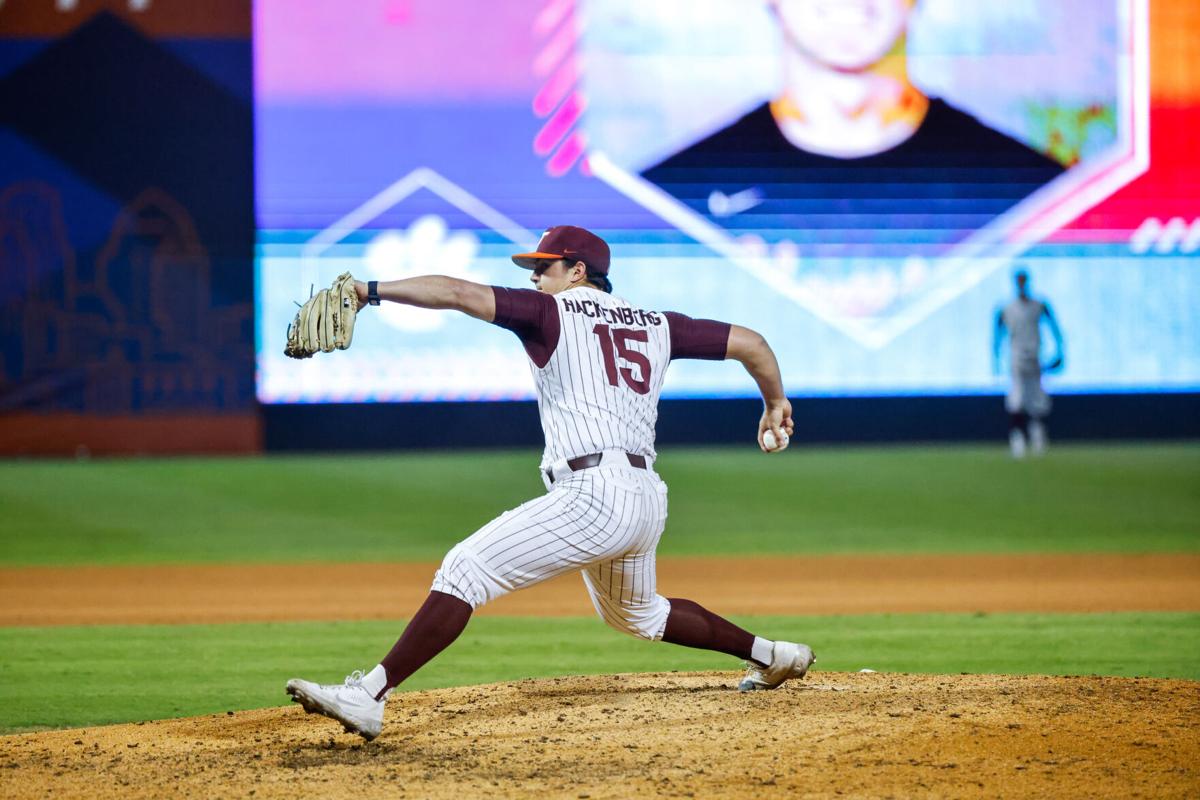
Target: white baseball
pixel 772 445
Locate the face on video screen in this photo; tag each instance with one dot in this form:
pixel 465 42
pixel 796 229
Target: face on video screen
pixel 845 135
pixel 845 34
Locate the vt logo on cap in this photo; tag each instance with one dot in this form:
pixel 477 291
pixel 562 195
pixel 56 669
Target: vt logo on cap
pixel 571 243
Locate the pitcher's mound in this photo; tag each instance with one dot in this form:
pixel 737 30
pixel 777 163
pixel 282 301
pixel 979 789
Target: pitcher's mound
pixel 670 735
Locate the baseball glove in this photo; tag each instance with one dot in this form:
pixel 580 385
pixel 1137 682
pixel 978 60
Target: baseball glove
pixel 326 321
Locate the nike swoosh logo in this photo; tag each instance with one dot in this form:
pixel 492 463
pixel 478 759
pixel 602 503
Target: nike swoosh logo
pixel 726 205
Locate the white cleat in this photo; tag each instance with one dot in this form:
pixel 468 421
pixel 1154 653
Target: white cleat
pixel 788 660
pixel 349 703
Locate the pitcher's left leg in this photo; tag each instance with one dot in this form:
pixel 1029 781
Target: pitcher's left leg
pixel 624 592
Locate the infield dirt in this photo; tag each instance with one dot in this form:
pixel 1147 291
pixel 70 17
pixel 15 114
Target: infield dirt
pixel 777 585
pixel 661 735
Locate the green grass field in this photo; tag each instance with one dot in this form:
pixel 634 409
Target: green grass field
pixel 105 674
pixel 1121 499
pixel 737 501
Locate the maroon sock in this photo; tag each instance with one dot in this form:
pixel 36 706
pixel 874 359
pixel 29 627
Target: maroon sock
pixel 439 621
pixel 692 625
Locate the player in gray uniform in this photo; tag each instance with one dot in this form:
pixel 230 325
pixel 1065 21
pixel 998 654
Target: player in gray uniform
pixel 1027 403
pixel 598 365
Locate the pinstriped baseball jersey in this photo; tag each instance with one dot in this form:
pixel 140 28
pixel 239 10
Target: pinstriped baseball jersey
pixel 599 364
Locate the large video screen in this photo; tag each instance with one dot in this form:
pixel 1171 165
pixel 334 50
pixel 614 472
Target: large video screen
pixel 858 180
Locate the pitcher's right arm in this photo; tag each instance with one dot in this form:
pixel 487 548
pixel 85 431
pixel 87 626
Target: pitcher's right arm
pixel 752 351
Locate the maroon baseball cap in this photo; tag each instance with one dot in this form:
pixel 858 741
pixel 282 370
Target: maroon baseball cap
pixel 571 243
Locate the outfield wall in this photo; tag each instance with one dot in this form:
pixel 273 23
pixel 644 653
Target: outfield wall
pixel 371 426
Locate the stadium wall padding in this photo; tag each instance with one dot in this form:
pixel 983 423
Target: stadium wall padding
pixel 820 420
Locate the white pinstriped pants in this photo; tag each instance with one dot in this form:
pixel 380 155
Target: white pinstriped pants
pixel 605 521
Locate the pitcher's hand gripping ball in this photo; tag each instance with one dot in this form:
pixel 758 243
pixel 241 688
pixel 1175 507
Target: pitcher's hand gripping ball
pixel 326 321
pixel 772 445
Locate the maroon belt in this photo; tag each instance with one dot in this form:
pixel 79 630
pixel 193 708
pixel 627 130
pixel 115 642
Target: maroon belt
pixel 594 459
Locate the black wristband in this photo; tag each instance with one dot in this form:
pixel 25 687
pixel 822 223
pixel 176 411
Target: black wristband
pixel 373 293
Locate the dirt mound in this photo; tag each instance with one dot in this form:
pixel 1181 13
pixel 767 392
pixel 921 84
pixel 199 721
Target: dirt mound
pixel 671 735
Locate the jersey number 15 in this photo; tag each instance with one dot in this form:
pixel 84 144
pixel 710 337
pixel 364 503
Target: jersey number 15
pixel 617 340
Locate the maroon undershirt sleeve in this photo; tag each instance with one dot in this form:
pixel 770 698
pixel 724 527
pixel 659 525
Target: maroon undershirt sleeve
pixel 533 317
pixel 705 339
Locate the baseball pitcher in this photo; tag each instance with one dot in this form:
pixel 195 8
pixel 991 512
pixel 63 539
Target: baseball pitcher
pixel 598 365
